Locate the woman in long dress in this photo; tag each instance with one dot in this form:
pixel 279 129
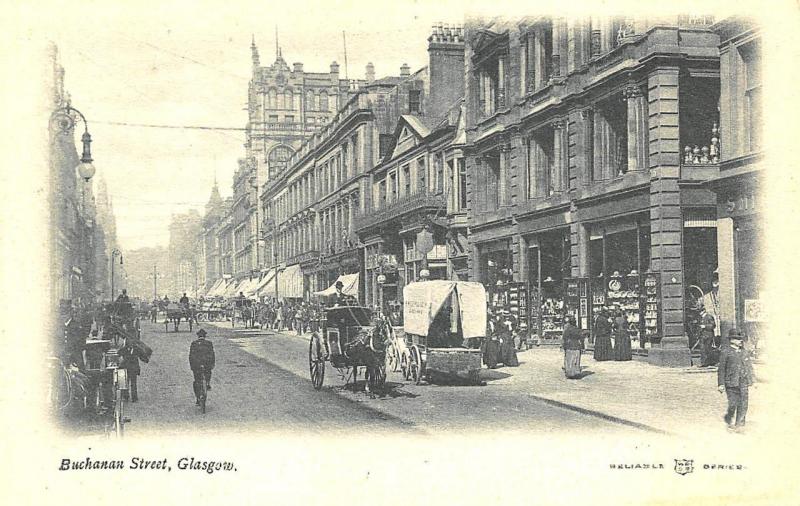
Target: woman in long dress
pixel 622 338
pixel 602 339
pixel 572 343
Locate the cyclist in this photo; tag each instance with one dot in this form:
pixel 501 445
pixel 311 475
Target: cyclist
pixel 201 355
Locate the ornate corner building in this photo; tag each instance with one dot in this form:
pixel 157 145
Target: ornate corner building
pixel 589 146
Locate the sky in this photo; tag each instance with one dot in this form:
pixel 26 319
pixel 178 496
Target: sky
pixel 194 71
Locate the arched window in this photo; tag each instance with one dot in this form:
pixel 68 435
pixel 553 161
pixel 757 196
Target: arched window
pixel 289 99
pixel 278 158
pixel 273 98
pixel 323 100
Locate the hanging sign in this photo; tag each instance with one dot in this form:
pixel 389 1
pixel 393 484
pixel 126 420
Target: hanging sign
pixel 424 241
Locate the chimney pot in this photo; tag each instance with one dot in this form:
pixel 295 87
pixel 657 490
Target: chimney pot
pixel 405 70
pixel 334 68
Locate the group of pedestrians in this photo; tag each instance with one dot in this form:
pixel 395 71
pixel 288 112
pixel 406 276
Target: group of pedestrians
pixel 299 317
pixel 610 323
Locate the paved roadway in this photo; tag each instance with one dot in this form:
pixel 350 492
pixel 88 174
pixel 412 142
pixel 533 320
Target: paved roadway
pixel 261 384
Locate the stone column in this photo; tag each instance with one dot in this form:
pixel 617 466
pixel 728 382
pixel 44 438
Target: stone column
pixel 637 128
pixel 559 47
pixel 559 156
pixel 540 59
pixel 502 180
pixel 665 216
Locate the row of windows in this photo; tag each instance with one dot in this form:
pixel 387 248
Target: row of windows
pixel 447 178
pixel 324 179
pixel 291 101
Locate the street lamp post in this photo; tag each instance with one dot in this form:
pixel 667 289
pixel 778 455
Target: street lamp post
pixel 114 253
pixel 63 118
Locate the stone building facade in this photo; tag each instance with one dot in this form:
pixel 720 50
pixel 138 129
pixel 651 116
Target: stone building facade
pixel 285 107
pixel 738 184
pixel 581 193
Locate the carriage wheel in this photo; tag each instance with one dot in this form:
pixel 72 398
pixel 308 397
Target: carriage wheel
pixel 119 416
pixel 415 365
pixel 392 362
pixel 316 362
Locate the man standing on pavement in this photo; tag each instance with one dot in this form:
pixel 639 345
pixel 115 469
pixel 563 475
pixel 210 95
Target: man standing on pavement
pixel 734 377
pixel 707 329
pixel 201 360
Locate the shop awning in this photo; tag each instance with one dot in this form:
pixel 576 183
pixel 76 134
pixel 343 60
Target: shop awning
pixel 350 286
pixel 290 282
pixel 233 288
pixel 249 286
pixel 217 288
pixel 258 289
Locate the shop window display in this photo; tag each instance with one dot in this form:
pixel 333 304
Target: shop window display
pixel 548 266
pixel 617 282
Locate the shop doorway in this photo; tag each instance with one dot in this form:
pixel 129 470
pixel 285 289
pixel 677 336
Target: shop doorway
pixel 548 268
pixel 700 276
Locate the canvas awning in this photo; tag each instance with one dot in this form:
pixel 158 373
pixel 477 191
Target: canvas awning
pixel 423 300
pixel 350 286
pixel 258 289
pixel 217 289
pixel 234 288
pixel 290 282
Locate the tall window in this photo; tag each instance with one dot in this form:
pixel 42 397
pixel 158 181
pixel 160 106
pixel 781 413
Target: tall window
pixel 393 185
pixel 289 118
pixel 345 161
pixel 273 98
pixel 414 101
pixel 355 153
pixel 406 180
pixel 422 175
pixel 751 57
pixel 462 183
pixel 323 100
pixel 382 193
pixel 309 100
pixel 491 85
pixel 439 174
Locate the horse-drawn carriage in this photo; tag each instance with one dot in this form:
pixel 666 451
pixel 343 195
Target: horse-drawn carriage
pixel 443 322
pixel 349 339
pixel 177 312
pixel 210 310
pixel 244 310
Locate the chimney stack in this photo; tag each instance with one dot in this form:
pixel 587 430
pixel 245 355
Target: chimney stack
pixel 334 68
pixel 445 68
pixel 405 70
pixel 370 72
pixel 298 67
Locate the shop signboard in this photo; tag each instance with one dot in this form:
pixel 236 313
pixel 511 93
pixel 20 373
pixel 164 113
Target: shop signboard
pixel 577 300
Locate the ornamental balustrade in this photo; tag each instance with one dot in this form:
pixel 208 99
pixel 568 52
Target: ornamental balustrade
pixel 400 207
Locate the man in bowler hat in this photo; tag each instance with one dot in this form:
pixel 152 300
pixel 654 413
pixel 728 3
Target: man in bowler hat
pixel 734 377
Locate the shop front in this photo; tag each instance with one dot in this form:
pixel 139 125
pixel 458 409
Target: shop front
pixel 620 278
pixel 496 273
pixel 383 279
pixel 742 282
pixel 548 258
pixel 435 260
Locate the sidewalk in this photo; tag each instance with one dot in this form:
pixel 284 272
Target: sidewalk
pixel 679 401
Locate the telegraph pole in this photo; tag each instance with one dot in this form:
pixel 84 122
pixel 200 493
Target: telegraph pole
pixel 155 282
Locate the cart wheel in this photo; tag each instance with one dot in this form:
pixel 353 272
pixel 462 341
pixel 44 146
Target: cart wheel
pixel 415 365
pixel 316 362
